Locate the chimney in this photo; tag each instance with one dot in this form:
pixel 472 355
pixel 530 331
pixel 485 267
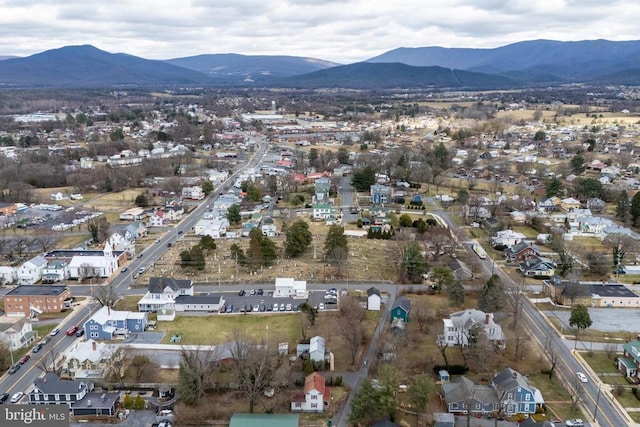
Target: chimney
pixel 486 319
pixel 94 345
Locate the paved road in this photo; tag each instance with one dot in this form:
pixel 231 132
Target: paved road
pixel 607 413
pixel 23 379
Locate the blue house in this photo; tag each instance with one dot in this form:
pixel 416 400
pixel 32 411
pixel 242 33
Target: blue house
pixel 516 395
pixel 400 309
pixel 107 323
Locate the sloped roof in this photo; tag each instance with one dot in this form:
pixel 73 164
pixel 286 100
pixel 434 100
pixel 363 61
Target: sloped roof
pixel 633 349
pixel 158 284
pixel 373 291
pixel 315 381
pixel 402 302
pixel 508 379
pixel 52 384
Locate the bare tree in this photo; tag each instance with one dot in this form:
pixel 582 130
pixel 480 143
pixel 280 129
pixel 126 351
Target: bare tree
pixel 576 393
pixel 115 357
pixel 45 238
pixel 255 367
pixel 441 240
pixel 351 315
pixel 50 363
pixel 480 351
pixel 611 350
pixel 106 295
pixel 197 369
pixel 554 357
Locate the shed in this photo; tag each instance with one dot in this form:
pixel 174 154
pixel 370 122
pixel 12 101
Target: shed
pixel 373 299
pixel 400 309
pixel 443 376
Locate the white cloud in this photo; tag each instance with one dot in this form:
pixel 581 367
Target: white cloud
pixel 337 30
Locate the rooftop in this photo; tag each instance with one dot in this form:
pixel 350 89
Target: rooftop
pixel 37 290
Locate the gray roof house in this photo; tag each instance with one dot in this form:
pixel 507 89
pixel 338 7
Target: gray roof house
pixel 50 389
pixel 315 349
pixel 462 395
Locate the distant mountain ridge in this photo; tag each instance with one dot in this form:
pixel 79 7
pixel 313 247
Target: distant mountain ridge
pixel 251 67
pixel 541 60
pixel 523 64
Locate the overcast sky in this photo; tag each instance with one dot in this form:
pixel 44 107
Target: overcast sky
pixel 342 31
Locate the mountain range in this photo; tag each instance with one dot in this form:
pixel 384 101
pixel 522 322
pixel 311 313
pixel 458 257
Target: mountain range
pixel 523 64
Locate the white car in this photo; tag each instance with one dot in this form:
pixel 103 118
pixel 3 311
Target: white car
pixel 55 332
pixel 321 306
pixel 16 397
pixel 576 422
pixel 582 377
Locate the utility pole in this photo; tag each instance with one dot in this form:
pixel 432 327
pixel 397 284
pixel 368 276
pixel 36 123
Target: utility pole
pixel 595 411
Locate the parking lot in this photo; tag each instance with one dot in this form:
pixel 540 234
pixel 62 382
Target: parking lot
pixel 262 301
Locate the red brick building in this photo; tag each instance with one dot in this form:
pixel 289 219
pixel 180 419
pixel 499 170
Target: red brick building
pixel 28 300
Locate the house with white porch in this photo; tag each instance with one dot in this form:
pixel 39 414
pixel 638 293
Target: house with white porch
pixel 506 238
pixel 87 360
pixel 216 228
pixel 55 271
pixel 30 272
pixel 162 293
pixel 18 334
pixel 94 263
pixel 460 326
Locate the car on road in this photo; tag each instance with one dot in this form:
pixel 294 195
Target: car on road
pixel 252 292
pixel 14 368
pixel 4 397
pixel 260 291
pixel 142 270
pixel 179 231
pixel 139 255
pixel 80 332
pixel 242 292
pixel 55 332
pixel 72 330
pixel 37 348
pixel 24 359
pixel 169 244
pixel 575 422
pixel 45 340
pixel 16 397
pixel 582 377
pixel 124 270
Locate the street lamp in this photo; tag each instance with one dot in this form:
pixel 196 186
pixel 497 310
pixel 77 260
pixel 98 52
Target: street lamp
pixel 595 411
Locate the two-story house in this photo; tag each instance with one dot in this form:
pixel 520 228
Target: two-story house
pixel 380 194
pixel 515 393
pixel 50 389
pixel 570 204
pixel 136 229
pixel 461 325
pixel 509 392
pixel 538 267
pixel 107 323
pixel 315 350
pixel 8 274
pixel 162 293
pixel 30 272
pixel 17 334
pixel 315 396
pixel 321 190
pixel 86 360
pixel 323 211
pixel 55 271
pixel 174 213
pixel 520 252
pixel 193 193
pixel 629 362
pixel 158 219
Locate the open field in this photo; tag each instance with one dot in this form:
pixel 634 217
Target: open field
pixel 601 364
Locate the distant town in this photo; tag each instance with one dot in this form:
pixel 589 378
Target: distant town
pixel 250 257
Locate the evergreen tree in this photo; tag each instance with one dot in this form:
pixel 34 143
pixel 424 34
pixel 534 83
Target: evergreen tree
pixel 456 293
pixel 298 238
pixel 492 295
pixel 413 264
pixel 233 214
pixel 635 209
pixel 335 244
pixel 623 206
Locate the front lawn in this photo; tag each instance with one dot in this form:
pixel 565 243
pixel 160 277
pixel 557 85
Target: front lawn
pixel 601 363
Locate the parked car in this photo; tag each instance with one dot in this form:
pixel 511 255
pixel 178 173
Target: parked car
pixel 255 308
pixel 289 307
pixel 142 270
pixel 575 422
pixel 16 397
pixel 24 359
pixel 270 307
pixel 37 348
pixel 72 330
pixel 124 270
pixel 45 340
pixel 179 231
pixel 55 332
pixel 222 309
pixel 252 292
pixel 229 308
pixel 80 332
pixel 169 244
pixel 242 292
pixel 281 307
pixel 14 368
pixel 263 308
pixel 4 397
pixel 260 291
pixel 321 306
pixel 582 377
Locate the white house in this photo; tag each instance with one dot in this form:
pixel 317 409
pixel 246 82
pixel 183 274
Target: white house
pixel 314 397
pixel 269 230
pixel 56 271
pixel 289 287
pixel 158 219
pixel 323 211
pixel 193 193
pixel 8 274
pixel 30 272
pixel 373 299
pixel 460 325
pixel 215 228
pixel 18 334
pixel 87 359
pixel 316 349
pixel 507 238
pixel 58 196
pixel 162 293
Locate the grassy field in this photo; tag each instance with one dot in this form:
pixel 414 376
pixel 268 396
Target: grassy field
pixel 217 329
pixel 601 363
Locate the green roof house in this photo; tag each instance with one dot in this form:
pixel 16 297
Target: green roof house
pixel 400 309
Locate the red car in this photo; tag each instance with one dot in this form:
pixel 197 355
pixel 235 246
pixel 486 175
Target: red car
pixel 72 330
pixel 24 359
